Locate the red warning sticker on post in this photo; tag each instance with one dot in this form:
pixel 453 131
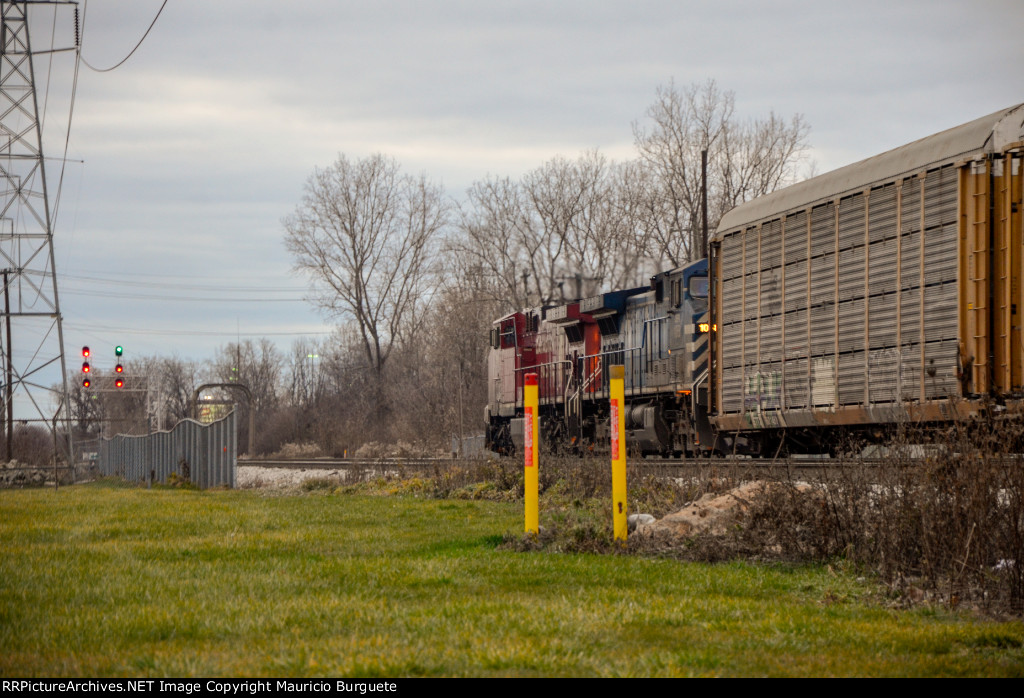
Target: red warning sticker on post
pixel 528 436
pixel 615 429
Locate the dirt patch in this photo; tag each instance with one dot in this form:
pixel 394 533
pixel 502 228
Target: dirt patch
pixel 715 513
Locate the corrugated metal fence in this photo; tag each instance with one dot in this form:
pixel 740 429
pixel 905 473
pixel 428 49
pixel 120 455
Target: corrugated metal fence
pixel 206 454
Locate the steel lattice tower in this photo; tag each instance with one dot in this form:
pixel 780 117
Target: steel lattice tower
pixel 34 373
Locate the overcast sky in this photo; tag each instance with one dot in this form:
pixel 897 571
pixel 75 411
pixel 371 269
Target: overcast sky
pixel 185 159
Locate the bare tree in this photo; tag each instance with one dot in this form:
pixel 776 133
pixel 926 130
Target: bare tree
pixel 556 193
pixel 176 381
pixel 306 379
pixel 257 365
pixel 87 409
pixel 168 382
pixel 608 243
pixel 636 205
pixel 568 228
pixel 502 239
pixel 364 235
pixel 745 159
pixel 758 157
pixel 354 398
pixel 452 377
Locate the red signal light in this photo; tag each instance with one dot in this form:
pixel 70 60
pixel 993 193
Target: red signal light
pixel 119 369
pixel 85 352
pixel 85 367
pixel 119 383
pixel 86 383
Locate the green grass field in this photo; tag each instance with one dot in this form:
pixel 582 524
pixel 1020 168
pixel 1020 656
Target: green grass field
pixel 106 580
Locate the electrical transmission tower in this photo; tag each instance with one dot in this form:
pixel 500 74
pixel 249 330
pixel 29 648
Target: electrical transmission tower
pixel 35 388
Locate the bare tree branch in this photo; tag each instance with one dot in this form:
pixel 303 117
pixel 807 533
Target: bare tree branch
pixel 364 235
pixel 745 160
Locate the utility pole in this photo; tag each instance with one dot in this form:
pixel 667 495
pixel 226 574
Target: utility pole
pixel 36 389
pixel 8 372
pixel 704 203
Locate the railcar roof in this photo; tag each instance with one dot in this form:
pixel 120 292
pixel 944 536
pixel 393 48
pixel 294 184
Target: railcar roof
pixel 988 134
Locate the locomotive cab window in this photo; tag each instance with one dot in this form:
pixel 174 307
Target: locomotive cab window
pixel 508 334
pixel 677 292
pixel 698 290
pixel 698 286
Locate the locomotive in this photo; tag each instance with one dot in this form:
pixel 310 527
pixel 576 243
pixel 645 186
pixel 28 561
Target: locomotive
pixel 885 292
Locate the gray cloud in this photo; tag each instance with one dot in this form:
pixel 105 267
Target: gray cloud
pixel 197 147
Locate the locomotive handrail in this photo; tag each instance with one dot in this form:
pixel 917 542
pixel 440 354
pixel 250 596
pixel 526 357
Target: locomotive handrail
pixel 701 377
pixel 584 384
pixel 643 341
pixel 540 366
pixel 660 349
pixel 602 357
pixel 549 363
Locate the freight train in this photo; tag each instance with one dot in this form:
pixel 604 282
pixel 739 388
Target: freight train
pixel 882 293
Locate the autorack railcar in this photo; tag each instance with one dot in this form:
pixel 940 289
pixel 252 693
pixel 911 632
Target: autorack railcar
pixel 886 291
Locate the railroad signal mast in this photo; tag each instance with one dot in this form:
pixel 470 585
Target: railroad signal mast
pixel 86 368
pixel 118 368
pixel 126 402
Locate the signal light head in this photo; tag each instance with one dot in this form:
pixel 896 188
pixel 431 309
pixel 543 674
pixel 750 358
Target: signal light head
pixel 119 383
pixel 85 352
pixel 86 383
pixel 119 368
pixel 118 350
pixel 85 367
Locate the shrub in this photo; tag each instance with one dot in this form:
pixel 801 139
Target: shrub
pixel 942 510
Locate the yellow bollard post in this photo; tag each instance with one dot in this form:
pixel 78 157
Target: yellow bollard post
pixel 531 443
pixel 618 429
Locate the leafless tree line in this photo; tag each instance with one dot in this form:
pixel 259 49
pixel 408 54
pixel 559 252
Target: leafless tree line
pixel 320 394
pixel 414 279
pixel 572 228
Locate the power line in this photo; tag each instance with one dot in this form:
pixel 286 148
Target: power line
pixel 186 286
pixel 107 70
pixel 71 113
pixel 175 299
pixel 173 275
pixel 190 333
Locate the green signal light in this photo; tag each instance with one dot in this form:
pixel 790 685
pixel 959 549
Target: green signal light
pixel 118 350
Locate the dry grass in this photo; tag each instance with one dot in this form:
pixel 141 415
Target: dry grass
pixel 940 517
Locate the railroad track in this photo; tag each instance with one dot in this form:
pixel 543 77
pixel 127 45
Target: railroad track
pixel 348 463
pixel 674 465
pixel 794 468
pixel 821 470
